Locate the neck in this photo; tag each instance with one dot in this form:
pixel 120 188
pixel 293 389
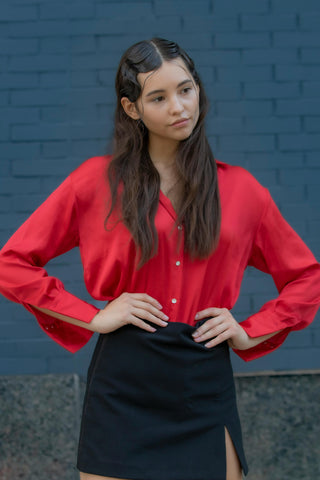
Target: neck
pixel 163 153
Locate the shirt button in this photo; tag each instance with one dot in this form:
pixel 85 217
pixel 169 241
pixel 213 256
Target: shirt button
pixel 178 263
pixel 174 300
pixel 179 227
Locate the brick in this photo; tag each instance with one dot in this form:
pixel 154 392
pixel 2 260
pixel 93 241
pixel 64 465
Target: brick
pixel 276 160
pixel 241 40
pixel 186 41
pixel 42 62
pixel 256 108
pixel 83 44
pixel 311 89
pixel 19 80
pixel 272 125
pixel 55 149
pixel 20 115
pixel 298 72
pixel 223 125
pixel 4 131
pixel 40 97
pixel 187 7
pixel 39 132
pixel 83 111
pixel 268 22
pixel 54 45
pixel 4 98
pixel 34 168
pixel 302 176
pixel 12 46
pixel 250 143
pixel 224 91
pixel 93 61
pixel 63 10
pixel 214 23
pixel 10 223
pixel 299 142
pixel 217 57
pixel 279 6
pixel 19 330
pixel 83 148
pixel 310 55
pixel 54 114
pixel 296 39
pixel 53 79
pixel 298 107
pixel 14 13
pixel 135 10
pixel 206 74
pixel 313 193
pixel 88 130
pixel 310 21
pixel 25 150
pixel 4 167
pixel 27 203
pixel 245 73
pixel 32 349
pixel 152 26
pixel 271 90
pixel 263 56
pixel 23 366
pixel 225 7
pixel 116 43
pixel 312 124
pixel 312 160
pixel 90 96
pixel 53 11
pixel 39 29
pixel 88 79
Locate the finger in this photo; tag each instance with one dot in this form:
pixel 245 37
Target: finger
pixel 208 312
pixel 145 315
pixel 143 325
pixel 144 297
pixel 151 309
pixel 212 332
pixel 207 326
pixel 219 339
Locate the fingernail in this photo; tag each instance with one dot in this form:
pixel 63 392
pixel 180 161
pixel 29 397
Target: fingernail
pixel 195 334
pixel 159 305
pixel 197 316
pixel 166 317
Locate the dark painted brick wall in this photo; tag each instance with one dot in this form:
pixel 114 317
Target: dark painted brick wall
pixel 259 61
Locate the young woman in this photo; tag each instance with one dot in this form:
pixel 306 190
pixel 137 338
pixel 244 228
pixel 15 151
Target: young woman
pixel 165 238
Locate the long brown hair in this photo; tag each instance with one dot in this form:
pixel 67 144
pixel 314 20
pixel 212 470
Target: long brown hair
pixel 132 167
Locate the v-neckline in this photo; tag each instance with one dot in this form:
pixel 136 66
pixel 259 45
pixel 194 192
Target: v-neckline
pixel 166 202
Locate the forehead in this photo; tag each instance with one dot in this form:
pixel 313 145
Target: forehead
pixel 171 73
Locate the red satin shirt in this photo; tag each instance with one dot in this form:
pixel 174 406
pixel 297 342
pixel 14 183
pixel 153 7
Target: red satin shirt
pixel 253 232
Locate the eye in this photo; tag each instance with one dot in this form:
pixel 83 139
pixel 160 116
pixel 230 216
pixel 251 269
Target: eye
pixel 186 90
pixel 158 99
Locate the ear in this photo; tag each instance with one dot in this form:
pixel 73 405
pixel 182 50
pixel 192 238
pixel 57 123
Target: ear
pixel 130 108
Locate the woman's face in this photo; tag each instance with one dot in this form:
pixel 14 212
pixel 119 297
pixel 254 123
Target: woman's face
pixel 169 102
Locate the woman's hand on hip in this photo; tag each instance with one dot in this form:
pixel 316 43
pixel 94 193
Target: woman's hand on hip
pixel 220 327
pixel 128 308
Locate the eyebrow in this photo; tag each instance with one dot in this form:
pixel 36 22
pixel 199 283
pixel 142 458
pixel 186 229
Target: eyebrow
pixel 162 90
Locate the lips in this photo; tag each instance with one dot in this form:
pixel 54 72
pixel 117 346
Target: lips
pixel 181 122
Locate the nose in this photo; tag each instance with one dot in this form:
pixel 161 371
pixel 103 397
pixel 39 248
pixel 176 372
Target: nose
pixel 175 105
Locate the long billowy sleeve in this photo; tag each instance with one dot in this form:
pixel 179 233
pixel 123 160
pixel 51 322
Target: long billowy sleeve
pixel 50 231
pixel 279 251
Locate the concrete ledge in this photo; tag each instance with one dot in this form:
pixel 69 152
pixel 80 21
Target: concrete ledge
pixel 40 416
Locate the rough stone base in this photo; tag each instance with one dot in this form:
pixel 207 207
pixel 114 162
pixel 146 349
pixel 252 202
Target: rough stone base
pixel 40 415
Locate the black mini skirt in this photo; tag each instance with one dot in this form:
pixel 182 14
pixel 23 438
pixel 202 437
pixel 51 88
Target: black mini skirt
pixel 156 406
